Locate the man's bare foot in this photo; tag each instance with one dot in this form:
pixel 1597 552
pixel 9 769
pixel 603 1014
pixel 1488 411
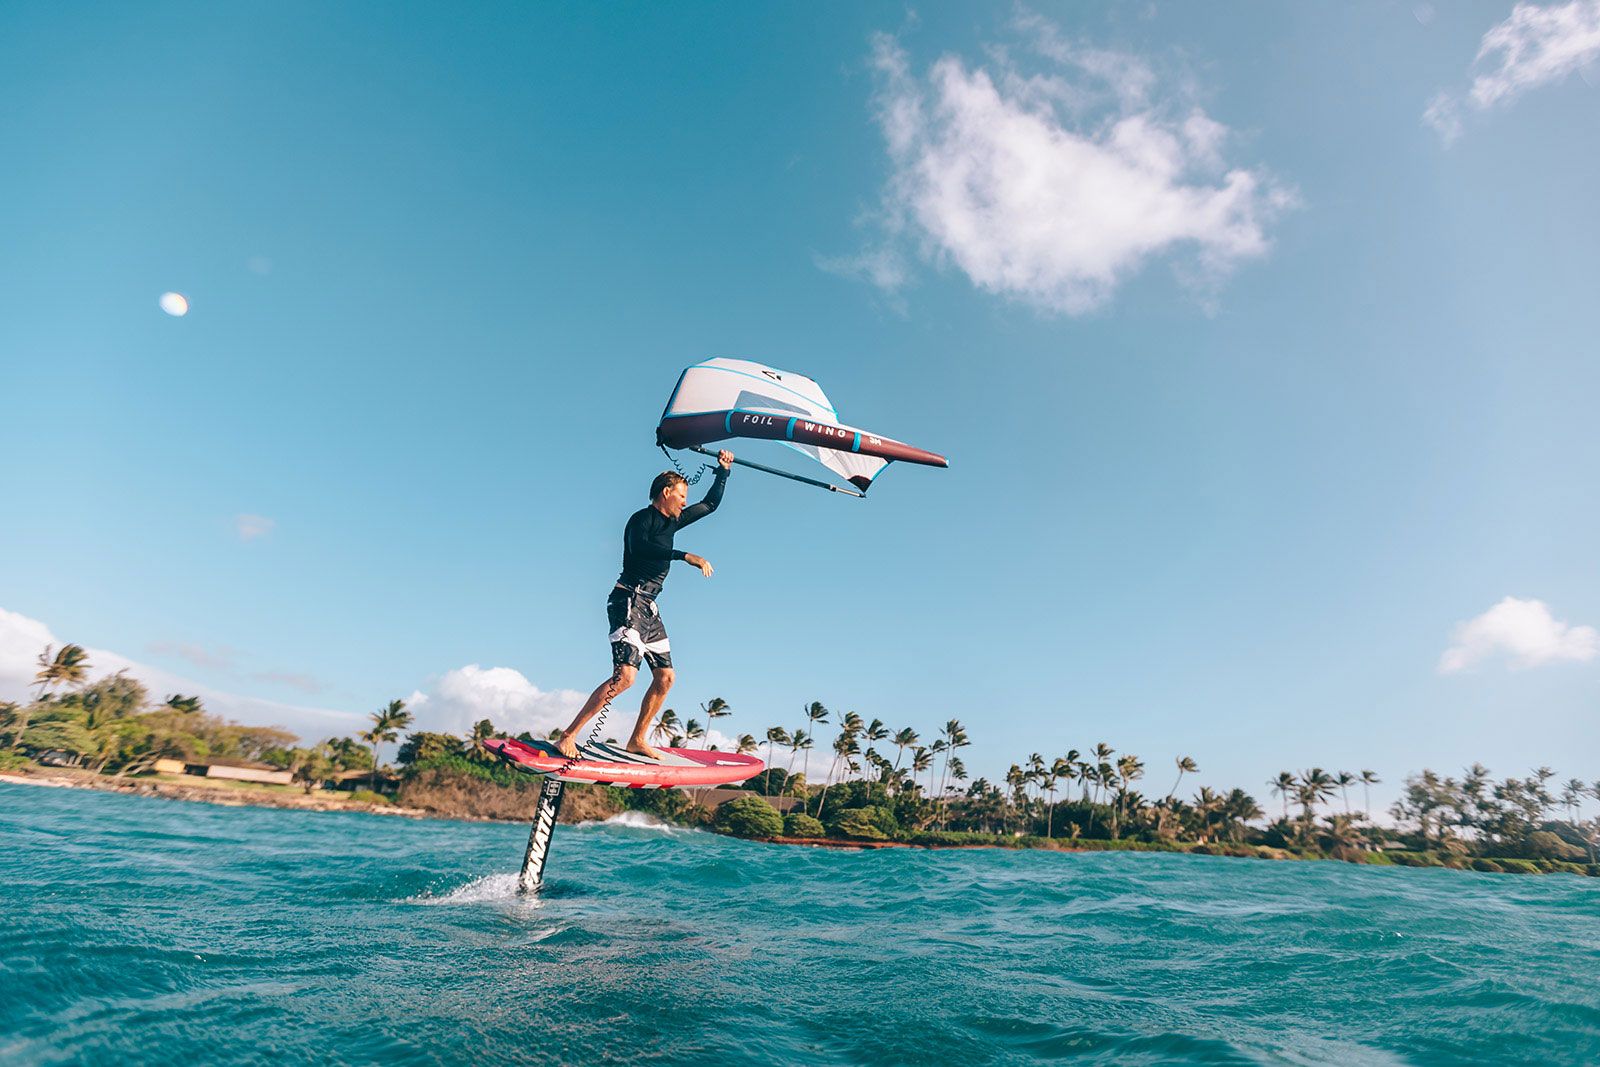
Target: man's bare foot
pixel 639 748
pixel 567 747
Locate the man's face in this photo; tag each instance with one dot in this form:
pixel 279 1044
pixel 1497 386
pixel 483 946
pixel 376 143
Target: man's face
pixel 673 499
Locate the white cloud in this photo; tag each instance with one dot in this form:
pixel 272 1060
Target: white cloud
pixel 1054 187
pixel 251 527
pixel 450 703
pixel 1537 45
pixel 22 639
pixel 459 698
pixel 1444 115
pixel 1524 632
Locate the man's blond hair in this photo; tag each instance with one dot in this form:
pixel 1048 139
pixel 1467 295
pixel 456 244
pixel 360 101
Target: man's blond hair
pixel 664 481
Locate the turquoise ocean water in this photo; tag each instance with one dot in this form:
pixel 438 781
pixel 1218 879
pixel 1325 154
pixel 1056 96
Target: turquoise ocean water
pixel 142 930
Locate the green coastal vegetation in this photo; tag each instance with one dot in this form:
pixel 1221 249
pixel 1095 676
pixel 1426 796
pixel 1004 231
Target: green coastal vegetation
pixel 878 787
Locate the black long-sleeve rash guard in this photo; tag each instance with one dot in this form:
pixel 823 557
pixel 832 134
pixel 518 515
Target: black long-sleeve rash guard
pixel 647 551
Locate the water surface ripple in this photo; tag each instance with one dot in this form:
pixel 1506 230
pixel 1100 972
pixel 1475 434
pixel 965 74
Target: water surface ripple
pixel 145 930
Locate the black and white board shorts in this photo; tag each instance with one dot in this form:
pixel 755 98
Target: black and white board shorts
pixel 636 630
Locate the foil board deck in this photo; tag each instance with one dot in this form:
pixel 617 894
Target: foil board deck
pixel 603 764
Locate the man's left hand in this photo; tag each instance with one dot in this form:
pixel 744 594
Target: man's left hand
pixel 725 460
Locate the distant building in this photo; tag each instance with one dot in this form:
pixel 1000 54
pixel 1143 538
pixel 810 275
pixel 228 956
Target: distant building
pixel 239 770
pixel 170 766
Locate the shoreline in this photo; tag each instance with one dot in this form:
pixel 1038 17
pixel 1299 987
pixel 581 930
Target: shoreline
pixel 226 796
pixel 237 796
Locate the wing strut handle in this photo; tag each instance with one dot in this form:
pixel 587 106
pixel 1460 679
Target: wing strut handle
pixel 829 486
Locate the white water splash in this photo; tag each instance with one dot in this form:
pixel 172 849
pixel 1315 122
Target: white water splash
pixel 490 889
pixel 636 820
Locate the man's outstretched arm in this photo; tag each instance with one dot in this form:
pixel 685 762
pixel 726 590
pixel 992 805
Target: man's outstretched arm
pixel 713 497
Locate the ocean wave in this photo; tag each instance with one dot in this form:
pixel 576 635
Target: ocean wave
pixel 143 930
pixel 635 820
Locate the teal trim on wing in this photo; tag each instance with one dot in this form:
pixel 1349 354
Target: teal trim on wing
pixel 789 433
pixel 855 446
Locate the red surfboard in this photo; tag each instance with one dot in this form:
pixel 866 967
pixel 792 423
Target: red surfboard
pixel 603 764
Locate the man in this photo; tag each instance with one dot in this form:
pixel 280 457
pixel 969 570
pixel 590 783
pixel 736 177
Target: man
pixel 636 629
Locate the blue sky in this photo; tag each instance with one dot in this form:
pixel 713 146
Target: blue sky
pixel 1261 341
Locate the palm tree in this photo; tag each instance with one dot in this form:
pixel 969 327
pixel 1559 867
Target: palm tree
pixel 1102 756
pixel 958 770
pixel 715 708
pixel 1571 797
pixel 1105 778
pixel 1207 806
pixel 776 735
pixel 1344 780
pixel 1238 808
pixel 935 750
pixel 903 740
pixel 798 741
pixel 1129 769
pixel 1089 776
pixel 875 731
pixel 68 667
pixel 844 746
pixel 746 744
pixel 182 704
pixel 1017 779
pixel 1167 806
pixel 1072 764
pixel 1186 765
pixel 693 731
pixel 482 730
pixel 1037 771
pixel 1283 785
pixel 1543 774
pixel 921 760
pixel 1343 832
pixel 1061 768
pixel 1593 835
pixel 815 714
pixel 1368 779
pixel 955 736
pixel 387 723
pixel 1320 783
pixel 1315 786
pixel 666 726
pixel 849 727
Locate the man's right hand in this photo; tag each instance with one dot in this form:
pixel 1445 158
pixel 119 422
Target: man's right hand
pixel 698 561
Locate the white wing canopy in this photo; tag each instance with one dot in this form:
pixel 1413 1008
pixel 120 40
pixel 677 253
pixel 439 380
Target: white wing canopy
pixel 729 388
